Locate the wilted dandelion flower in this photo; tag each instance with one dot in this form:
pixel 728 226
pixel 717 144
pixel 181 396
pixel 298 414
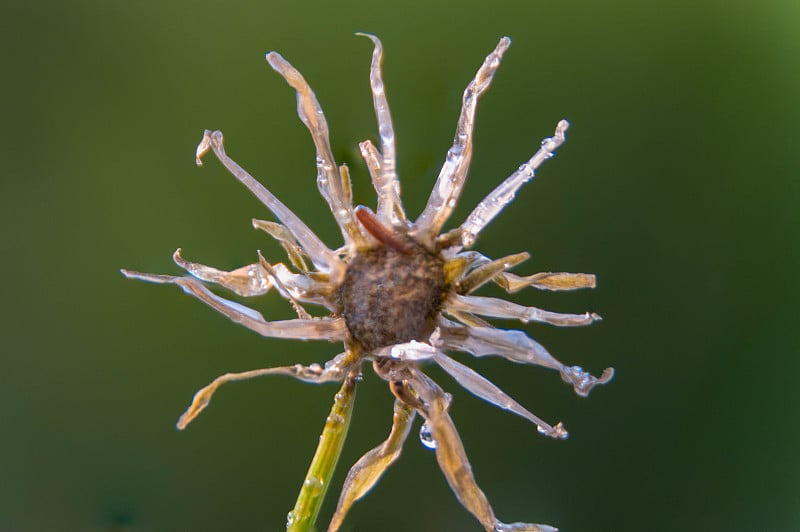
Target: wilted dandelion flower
pixel 397 293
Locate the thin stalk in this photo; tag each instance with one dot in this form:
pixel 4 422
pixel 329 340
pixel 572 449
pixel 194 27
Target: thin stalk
pixel 309 500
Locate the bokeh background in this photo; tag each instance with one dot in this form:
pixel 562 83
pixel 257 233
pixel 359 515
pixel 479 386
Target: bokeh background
pixel 678 187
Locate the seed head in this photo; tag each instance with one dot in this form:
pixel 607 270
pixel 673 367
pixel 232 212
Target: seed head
pixel 398 292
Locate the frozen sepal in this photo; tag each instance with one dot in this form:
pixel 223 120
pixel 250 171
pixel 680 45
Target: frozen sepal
pixel 501 196
pixel 453 174
pixel 486 272
pixel 500 308
pixel 314 373
pixel 384 179
pixel 287 241
pixel 453 459
pixel 329 181
pixel 370 468
pixel 291 295
pixel 323 258
pixel 247 281
pixel 583 381
pixel 331 329
pixel 552 281
pixel 517 347
pixel 482 387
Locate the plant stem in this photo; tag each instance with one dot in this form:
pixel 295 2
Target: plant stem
pixel 309 500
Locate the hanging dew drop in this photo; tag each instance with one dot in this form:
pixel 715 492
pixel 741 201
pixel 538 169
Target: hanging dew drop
pixel 426 437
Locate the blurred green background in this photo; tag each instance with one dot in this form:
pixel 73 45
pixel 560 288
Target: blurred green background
pixel 678 187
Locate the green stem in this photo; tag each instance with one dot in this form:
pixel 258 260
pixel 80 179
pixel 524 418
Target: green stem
pixel 309 500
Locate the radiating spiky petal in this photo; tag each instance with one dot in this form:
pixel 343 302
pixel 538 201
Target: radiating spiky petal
pixel 313 373
pixel 331 329
pixel 385 181
pixel 247 281
pixel 500 308
pixel 370 468
pixel 451 178
pixel 489 392
pixel 328 177
pixel 322 257
pixel 501 196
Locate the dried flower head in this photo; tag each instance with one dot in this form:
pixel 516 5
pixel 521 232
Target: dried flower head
pixel 398 293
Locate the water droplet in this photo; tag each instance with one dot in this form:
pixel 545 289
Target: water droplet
pixel 426 437
pixel 451 203
pixel 335 418
pixel 290 519
pixel 313 482
pixel 546 140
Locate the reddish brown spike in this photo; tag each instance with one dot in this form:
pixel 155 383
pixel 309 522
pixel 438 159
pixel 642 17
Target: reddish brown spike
pixel 383 235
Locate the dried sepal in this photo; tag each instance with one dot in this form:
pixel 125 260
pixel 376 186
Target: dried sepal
pixel 453 461
pixel 370 468
pixel 552 281
pixel 323 258
pixel 328 177
pixel 468 319
pixel 482 387
pixel 347 185
pixel 247 281
pixel 517 347
pixel 500 308
pixel 282 288
pixel 583 381
pixel 489 271
pixel 385 181
pixel 313 373
pixel 501 196
pixel 331 329
pixel 453 174
pixel 286 240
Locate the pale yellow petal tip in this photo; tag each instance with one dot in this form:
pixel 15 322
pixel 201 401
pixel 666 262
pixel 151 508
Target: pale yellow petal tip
pixel 203 147
pixel 192 412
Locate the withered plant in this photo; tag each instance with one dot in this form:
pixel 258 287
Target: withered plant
pixel 397 293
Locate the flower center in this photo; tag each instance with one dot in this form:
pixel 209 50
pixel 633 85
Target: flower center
pixel 391 296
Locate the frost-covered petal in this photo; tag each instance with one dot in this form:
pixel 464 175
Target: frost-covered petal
pixel 453 174
pixel 322 257
pixel 247 281
pixel 500 308
pixel 331 329
pixel 313 373
pixel 491 393
pixel 329 180
pixel 501 196
pixel 384 169
pixel 370 468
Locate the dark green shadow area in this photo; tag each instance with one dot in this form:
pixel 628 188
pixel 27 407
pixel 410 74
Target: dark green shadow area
pixel 678 186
